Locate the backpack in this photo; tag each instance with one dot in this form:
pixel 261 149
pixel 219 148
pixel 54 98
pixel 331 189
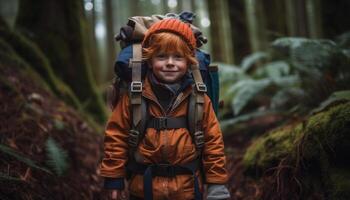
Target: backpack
pixel 129 74
pixel 130 71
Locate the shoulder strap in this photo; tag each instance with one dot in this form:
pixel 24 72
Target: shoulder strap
pixel 195 109
pixel 135 95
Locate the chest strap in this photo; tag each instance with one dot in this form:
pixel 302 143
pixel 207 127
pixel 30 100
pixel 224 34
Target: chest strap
pixel 161 123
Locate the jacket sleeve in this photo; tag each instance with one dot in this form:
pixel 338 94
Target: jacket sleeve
pixel 214 161
pixel 115 141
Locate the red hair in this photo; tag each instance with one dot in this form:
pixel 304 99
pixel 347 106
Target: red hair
pixel 166 42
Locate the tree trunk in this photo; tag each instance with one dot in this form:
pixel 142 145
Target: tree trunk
pixel 313 12
pixel 240 38
pixel 59 28
pixel 94 56
pixel 256 25
pixel 107 74
pixel 220 31
pixel 296 18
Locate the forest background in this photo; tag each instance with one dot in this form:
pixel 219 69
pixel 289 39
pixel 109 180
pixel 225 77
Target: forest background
pixel 284 79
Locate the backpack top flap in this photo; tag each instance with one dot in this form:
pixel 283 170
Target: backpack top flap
pixel 204 61
pixel 141 25
pixel 121 65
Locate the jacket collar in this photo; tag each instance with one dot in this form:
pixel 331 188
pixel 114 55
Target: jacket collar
pixel 185 87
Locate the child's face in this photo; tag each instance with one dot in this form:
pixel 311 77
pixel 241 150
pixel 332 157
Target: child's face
pixel 169 67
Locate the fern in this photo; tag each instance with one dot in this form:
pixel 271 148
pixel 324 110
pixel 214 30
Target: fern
pixel 57 157
pixel 246 90
pixel 273 69
pixel 9 151
pixel 302 73
pixel 252 59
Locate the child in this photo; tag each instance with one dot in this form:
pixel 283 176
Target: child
pixel 163 155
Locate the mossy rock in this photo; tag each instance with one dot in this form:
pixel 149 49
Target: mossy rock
pixel 313 152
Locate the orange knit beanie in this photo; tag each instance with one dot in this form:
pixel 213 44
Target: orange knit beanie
pixel 175 26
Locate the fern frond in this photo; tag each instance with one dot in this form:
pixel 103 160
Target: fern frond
pixel 246 91
pixel 9 151
pixel 57 157
pixel 252 59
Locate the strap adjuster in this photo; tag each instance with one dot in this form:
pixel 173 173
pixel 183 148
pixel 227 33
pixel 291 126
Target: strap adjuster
pixel 133 138
pixel 201 87
pixel 134 61
pixel 136 86
pixel 161 123
pixel 166 170
pixel 199 139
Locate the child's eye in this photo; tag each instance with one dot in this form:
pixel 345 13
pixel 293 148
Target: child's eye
pixel 161 56
pixel 178 56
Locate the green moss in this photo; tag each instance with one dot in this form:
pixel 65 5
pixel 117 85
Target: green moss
pixel 318 132
pixel 316 146
pixel 266 151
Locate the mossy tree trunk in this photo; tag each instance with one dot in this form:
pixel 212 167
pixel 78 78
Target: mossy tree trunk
pixel 60 30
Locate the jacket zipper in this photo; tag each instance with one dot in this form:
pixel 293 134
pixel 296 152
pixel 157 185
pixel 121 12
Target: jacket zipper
pixel 164 150
pixel 180 98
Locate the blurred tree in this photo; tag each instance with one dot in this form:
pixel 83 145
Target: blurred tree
pixel 92 45
pixel 256 25
pixel 110 41
pixel 296 18
pixel 276 23
pixel 60 30
pixel 220 31
pixel 335 17
pixel 313 11
pixel 240 38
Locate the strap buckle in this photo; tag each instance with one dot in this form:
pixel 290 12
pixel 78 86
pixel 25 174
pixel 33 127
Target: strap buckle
pixel 161 123
pixel 133 138
pixel 201 87
pixel 199 139
pixel 136 86
pixel 165 169
pixel 134 61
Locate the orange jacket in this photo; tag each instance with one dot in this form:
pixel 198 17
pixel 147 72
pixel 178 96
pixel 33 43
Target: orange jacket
pixel 172 145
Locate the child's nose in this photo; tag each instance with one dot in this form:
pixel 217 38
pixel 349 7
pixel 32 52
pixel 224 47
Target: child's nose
pixel 170 60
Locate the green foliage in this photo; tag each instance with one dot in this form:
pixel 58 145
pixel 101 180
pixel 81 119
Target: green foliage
pixel 306 153
pixel 321 132
pixel 57 157
pixel 9 151
pixel 249 61
pixel 245 90
pixel 336 97
pixel 294 75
